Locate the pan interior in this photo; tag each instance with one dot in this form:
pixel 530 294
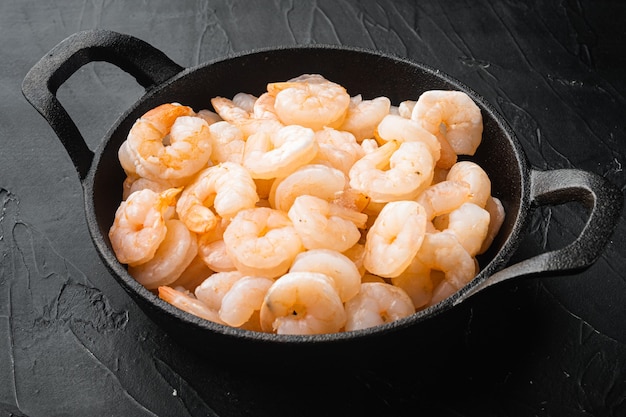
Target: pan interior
pixel 360 72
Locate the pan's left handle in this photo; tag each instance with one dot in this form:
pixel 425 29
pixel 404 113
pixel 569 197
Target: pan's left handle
pixel 148 65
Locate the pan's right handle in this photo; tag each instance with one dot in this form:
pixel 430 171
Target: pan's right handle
pixel 148 65
pixel 604 201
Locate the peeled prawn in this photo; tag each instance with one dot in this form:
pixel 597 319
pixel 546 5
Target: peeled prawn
pixel 395 238
pixel 470 224
pixel 139 225
pixel 476 177
pixel 262 241
pixel 312 102
pixel 411 168
pixel 375 304
pixel 189 146
pixel 457 113
pixel 318 180
pixel 188 303
pixel 340 268
pixel 321 224
pixel 173 256
pixel 271 155
pixel 443 252
pixel 364 115
pixel 303 303
pixel 228 188
pixel 243 299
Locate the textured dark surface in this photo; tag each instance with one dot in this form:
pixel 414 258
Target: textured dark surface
pixel 72 343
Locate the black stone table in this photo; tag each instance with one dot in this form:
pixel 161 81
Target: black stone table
pixel 72 343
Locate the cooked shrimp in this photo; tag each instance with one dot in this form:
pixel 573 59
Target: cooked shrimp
pixel 337 149
pixel 317 180
pixel 139 225
pixel 227 142
pixel 410 170
pixel 278 155
pixel 375 304
pixel 243 119
pixel 405 108
pixel 313 102
pixel 212 249
pixel 364 115
pixel 132 184
pixel 245 101
pixel 209 116
pixel 173 255
pixel 243 298
pixel 398 128
pixel 416 282
pixel 476 177
pixel 264 107
pixel 321 224
pixel 470 224
pixel 189 146
pixel 395 238
pixel 262 241
pixel 443 197
pixel 496 213
pixel 457 112
pixel 302 303
pixel 337 266
pixel 443 252
pixel 187 302
pixel 228 186
pixel 213 289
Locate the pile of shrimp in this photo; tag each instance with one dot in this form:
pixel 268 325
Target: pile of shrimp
pixel 305 210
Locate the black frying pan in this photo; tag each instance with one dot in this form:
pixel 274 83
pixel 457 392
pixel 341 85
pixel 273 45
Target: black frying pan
pixel 519 187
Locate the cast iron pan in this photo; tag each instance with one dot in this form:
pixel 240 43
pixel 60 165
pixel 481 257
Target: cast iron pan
pixel 519 187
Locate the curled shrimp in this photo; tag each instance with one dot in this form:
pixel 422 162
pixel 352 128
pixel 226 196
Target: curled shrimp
pixel 411 168
pixel 228 186
pixel 189 146
pixel 476 177
pixel 302 303
pixel 243 299
pixel 321 224
pixel 444 197
pixel 262 241
pixel 139 225
pixel 187 302
pixel 243 119
pixel 338 149
pixel 263 107
pixel 457 113
pixel 227 142
pixel 213 289
pixel 337 266
pixel 172 257
pixel 364 115
pixel 212 249
pixel 318 180
pixel 470 224
pixel 268 155
pixel 375 304
pixel 393 127
pixel 395 238
pixel 443 252
pixel 311 101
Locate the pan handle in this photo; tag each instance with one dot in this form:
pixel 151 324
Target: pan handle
pixel 604 202
pixel 148 65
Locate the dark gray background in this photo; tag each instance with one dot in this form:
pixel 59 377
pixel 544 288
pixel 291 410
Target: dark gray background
pixel 71 341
